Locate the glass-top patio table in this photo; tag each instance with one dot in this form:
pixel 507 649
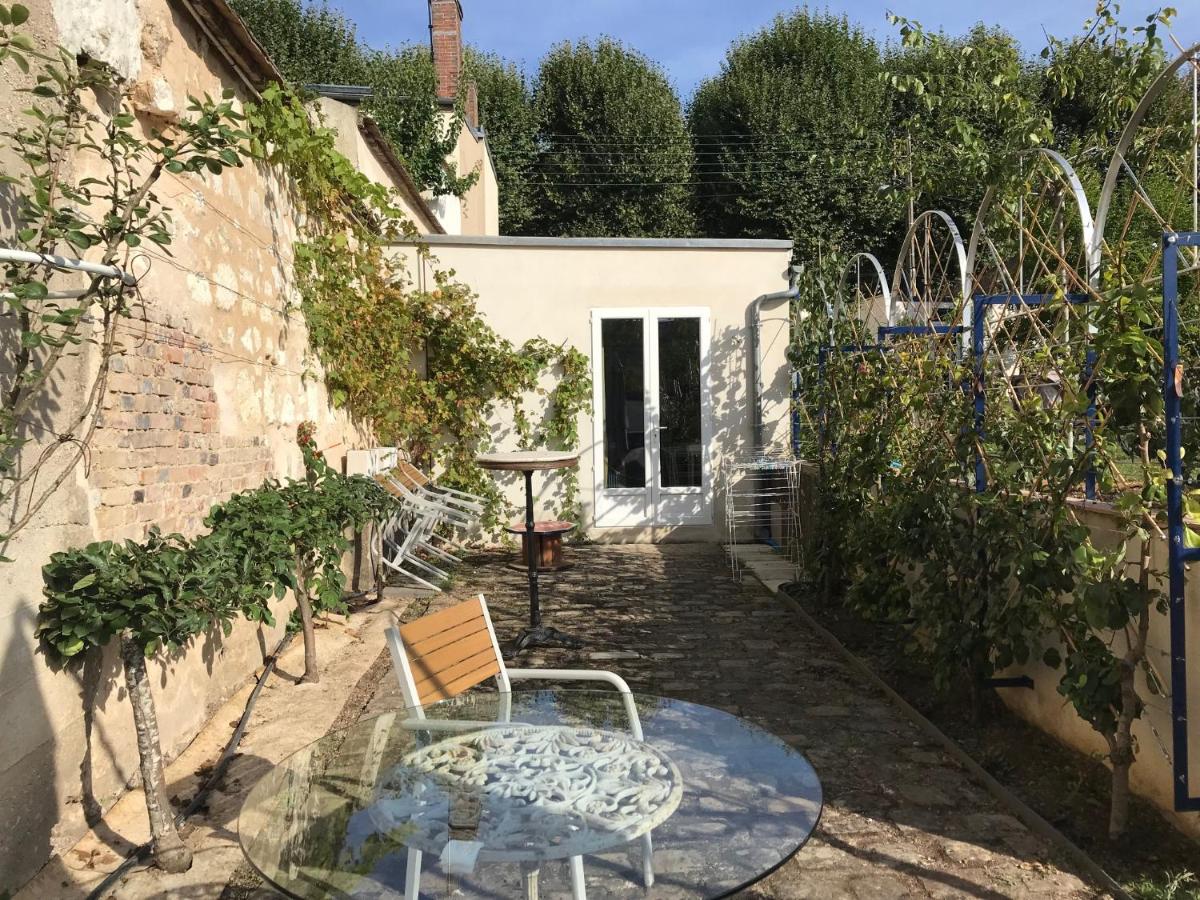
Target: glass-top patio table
pixel 502 795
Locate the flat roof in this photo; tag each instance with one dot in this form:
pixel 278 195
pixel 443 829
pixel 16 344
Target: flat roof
pixel 504 240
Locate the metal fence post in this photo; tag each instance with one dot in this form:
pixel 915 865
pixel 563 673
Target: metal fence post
pixel 1179 554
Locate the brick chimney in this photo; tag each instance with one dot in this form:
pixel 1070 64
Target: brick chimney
pixel 445 34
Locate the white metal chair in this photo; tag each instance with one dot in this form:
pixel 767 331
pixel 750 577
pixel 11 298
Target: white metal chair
pixel 441 655
pixel 445 518
pixel 422 485
pixel 408 533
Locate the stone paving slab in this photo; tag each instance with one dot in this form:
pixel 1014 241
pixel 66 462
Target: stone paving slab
pixel 900 820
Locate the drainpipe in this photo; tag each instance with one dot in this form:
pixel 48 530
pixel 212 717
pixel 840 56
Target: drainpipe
pixel 756 379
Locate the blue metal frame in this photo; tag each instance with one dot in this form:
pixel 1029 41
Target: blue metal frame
pixel 796 425
pixel 886 331
pixel 980 303
pixel 1179 554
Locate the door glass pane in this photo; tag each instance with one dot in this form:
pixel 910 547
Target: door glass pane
pixel 681 456
pixel 624 403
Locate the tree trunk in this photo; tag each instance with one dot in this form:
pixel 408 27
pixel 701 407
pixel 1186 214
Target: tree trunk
pixel 311 673
pixel 1118 811
pixel 1121 747
pixel 169 851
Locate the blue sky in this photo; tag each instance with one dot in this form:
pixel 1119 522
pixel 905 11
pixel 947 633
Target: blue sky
pixel 689 37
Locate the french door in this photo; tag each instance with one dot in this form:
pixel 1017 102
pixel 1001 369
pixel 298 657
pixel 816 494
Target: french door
pixel 652 417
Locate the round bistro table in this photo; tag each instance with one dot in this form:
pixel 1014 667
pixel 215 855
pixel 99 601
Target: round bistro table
pixel 463 804
pixel 528 462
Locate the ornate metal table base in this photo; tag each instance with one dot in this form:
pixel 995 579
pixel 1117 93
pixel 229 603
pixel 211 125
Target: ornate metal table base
pixel 593 790
pixel 544 636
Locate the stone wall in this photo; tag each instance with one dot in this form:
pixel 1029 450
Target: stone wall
pixel 203 401
pixel 159 458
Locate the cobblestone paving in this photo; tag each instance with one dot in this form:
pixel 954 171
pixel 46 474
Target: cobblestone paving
pixel 900 819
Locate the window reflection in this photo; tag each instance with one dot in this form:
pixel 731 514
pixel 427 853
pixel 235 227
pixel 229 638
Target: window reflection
pixel 624 403
pixel 679 402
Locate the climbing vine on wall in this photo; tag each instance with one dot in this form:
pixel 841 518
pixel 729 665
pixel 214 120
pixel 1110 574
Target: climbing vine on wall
pixel 417 364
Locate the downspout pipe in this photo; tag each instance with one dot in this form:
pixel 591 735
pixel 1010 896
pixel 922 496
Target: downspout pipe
pixel 756 375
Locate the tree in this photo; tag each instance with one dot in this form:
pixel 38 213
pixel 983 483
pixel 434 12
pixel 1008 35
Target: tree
pixel 312 44
pixel 148 596
pixel 614 156
pixel 1093 81
pixel 507 117
pixel 792 138
pixel 969 106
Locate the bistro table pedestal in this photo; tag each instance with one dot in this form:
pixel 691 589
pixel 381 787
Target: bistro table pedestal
pixel 528 462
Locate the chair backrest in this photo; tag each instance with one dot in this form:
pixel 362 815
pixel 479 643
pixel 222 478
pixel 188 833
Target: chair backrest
pixel 401 492
pixel 410 475
pixel 440 655
pixel 389 485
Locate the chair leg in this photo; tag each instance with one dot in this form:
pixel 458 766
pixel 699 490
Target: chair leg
pixel 417 578
pixel 577 887
pixel 428 567
pixel 412 876
pixel 529 875
pixel 647 861
pixel 439 552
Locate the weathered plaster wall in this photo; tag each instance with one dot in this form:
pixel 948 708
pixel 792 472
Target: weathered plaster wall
pixel 477 212
pixel 344 119
pixel 481 203
pixel 1152 774
pixel 529 288
pixel 204 402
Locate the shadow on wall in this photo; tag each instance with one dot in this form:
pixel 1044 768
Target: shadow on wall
pixel 27 780
pixel 729 375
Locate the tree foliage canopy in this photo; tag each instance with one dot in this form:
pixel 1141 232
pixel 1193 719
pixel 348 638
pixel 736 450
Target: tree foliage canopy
pixel 792 137
pixel 312 44
pixel 507 118
pixel 968 106
pixel 614 156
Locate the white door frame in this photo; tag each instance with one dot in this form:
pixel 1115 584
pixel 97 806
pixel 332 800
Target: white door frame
pixel 653 504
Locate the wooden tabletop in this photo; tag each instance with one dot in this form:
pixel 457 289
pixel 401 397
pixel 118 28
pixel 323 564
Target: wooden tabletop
pixel 542 527
pixel 528 460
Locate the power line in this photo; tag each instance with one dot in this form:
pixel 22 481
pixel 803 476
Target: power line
pixel 596 149
pixel 716 138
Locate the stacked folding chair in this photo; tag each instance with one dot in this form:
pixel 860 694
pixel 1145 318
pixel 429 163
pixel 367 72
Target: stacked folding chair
pixel 422 532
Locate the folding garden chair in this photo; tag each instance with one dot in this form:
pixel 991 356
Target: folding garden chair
pixel 400 542
pixel 453 518
pixel 420 483
pixel 406 540
pixel 441 655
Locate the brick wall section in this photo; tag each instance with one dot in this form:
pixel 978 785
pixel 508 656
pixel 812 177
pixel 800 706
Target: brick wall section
pixel 158 457
pixel 445 33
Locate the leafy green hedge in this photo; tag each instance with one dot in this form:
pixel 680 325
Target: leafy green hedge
pixel 167 589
